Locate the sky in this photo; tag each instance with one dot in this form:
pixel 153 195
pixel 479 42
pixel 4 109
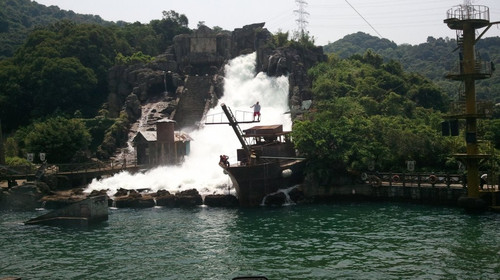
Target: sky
pixel 400 21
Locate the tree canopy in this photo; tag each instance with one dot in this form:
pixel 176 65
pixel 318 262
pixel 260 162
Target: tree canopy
pixel 371 112
pixel 59 70
pixel 60 138
pixel 432 59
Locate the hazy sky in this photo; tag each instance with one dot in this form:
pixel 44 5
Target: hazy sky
pixel 401 21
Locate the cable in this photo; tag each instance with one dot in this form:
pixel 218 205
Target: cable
pixel 364 19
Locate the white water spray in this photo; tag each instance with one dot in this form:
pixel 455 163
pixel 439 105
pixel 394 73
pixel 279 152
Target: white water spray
pixel 200 170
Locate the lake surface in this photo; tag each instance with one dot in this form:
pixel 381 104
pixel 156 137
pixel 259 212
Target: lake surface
pixel 334 241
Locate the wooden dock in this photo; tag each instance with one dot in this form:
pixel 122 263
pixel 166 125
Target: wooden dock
pixel 78 174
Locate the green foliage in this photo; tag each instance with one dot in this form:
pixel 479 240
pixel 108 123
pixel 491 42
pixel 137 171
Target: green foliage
pixel 302 40
pixel 58 66
pixel 358 43
pixel 169 26
pixel 11 147
pixel 492 132
pixel 13 98
pixel 368 76
pixel 137 57
pixel 432 59
pixel 280 39
pixel 97 128
pixel 19 17
pixel 368 111
pixel 140 37
pixel 61 139
pixel 17 161
pixel 59 70
pixel 116 134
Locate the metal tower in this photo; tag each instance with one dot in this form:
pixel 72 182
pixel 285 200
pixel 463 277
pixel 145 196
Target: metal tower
pixel 465 19
pixel 302 14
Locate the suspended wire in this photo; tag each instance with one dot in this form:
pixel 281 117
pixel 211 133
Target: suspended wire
pixel 364 19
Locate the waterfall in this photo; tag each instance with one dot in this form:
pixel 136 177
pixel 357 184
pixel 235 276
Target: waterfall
pixel 200 170
pixel 286 192
pixel 42 207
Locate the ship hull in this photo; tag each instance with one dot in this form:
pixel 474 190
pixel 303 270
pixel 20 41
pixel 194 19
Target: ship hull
pixel 253 182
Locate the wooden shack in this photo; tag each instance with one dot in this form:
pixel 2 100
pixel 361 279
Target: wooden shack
pixel 163 146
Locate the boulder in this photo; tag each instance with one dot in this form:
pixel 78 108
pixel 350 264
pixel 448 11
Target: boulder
pixel 188 198
pixel 161 193
pixel 166 200
pixel 121 192
pixel 294 62
pixel 24 197
pixel 134 201
pixel 296 195
pixel 275 199
pixel 244 39
pixel 57 182
pixel 133 107
pixel 101 193
pixel 220 200
pixel 98 193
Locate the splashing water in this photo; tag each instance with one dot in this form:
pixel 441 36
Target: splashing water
pixel 200 170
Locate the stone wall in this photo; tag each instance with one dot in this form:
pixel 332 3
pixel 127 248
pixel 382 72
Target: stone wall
pixel 203 52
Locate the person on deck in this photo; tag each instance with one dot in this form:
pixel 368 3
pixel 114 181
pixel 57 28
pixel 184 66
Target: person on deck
pixel 224 160
pixel 483 179
pixel 256 111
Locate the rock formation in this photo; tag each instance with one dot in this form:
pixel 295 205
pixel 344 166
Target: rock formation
pixel 159 86
pixel 205 52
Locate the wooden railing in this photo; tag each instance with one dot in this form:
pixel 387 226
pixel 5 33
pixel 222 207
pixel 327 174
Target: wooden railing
pixel 415 179
pixel 27 171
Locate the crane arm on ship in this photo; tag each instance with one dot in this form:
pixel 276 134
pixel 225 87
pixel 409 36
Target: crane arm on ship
pixel 237 130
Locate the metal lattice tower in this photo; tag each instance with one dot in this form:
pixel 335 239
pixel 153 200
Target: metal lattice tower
pixel 302 16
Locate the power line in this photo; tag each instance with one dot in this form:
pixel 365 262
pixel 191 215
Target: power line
pixel 364 19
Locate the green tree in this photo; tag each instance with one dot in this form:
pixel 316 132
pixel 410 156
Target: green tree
pixel 15 101
pixel 60 138
pixel 11 147
pixel 280 38
pixel 60 69
pixel 64 85
pixel 169 26
pixel 364 112
pixel 140 37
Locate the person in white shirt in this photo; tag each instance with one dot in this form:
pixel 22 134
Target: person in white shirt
pixel 256 111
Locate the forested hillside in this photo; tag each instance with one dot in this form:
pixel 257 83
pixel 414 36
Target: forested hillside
pixel 370 112
pixel 432 59
pixel 61 68
pixel 60 73
pixel 19 17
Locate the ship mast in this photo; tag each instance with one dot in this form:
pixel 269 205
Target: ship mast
pixel 465 19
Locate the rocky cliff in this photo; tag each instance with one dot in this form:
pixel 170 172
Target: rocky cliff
pixel 204 53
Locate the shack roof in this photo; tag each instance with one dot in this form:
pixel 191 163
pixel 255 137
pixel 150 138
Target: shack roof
pixel 181 136
pixel 265 130
pixel 150 136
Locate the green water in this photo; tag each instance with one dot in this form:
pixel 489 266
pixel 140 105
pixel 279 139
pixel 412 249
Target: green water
pixel 346 241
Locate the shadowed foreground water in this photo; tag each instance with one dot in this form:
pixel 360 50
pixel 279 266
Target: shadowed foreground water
pixel 346 241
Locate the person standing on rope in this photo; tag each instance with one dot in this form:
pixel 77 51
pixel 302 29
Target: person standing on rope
pixel 256 111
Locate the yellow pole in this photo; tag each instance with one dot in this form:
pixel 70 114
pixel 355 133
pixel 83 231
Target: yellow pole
pixel 470 111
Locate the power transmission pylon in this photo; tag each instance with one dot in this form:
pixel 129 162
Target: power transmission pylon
pixel 302 17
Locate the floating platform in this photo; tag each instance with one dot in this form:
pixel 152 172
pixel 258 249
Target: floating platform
pixel 84 213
